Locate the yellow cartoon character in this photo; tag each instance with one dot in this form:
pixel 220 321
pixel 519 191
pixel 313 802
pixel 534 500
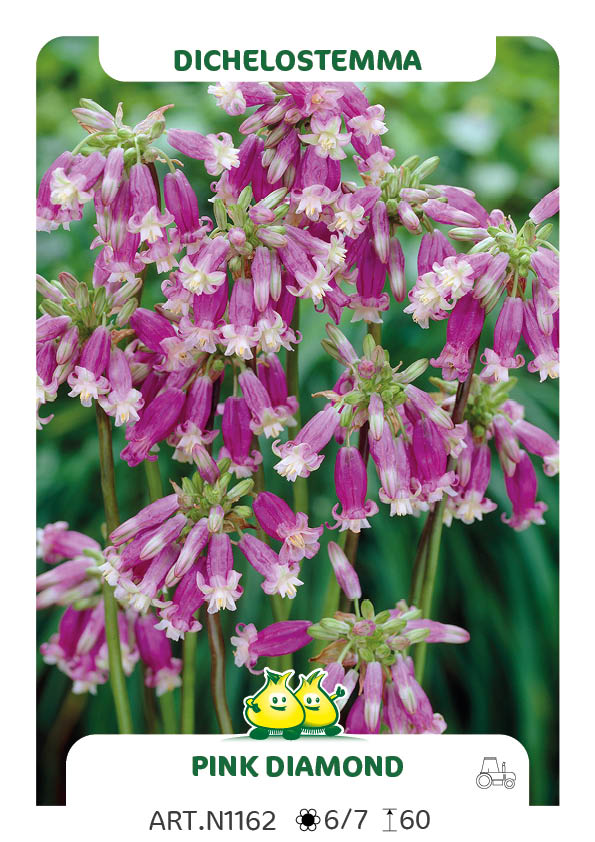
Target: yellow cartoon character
pixel 274 709
pixel 322 714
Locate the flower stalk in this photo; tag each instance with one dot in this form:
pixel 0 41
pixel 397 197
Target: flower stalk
pixel 112 518
pixel 426 563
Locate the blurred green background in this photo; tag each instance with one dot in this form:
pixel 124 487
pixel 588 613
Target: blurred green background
pixel 498 136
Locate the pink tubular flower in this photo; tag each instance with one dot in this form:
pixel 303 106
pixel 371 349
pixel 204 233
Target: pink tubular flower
pixel 351 484
pixel 327 138
pixel 499 360
pixel 464 327
pixel 396 270
pixel 62 650
pixel 66 583
pixel 301 455
pixel 240 335
pixel 216 150
pixel 546 207
pixel 157 422
pixel 151 516
pixel 431 462
pixel 237 438
pixel 220 585
pixel 356 720
pixel 394 471
pixel 177 617
pixel 204 270
pixel 507 446
pixel 265 420
pixel 472 503
pixel 87 381
pixel 279 577
pixel 344 572
pixel 280 522
pixel 146 220
pixel 55 542
pixel 373 682
pixel 235 97
pixel 181 202
pixel 271 374
pixel 194 543
pixel 281 638
pixel 540 443
pixel 161 670
pixel 546 360
pixel 521 488
pixel 407 709
pixel 122 402
pixel 191 438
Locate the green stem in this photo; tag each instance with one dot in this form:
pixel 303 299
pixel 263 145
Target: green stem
pixel 217 647
pixel 375 331
pixel 168 713
pixel 435 521
pixel 419 565
pixel 153 476
pixel 300 486
pixel 188 681
pixel 112 632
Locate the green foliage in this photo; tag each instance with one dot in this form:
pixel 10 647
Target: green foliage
pixel 498 136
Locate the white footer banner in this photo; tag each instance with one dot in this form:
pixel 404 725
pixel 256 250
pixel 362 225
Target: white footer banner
pixel 428 787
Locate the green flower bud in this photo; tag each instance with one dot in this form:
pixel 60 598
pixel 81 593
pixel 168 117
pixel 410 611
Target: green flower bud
pixel 245 197
pixel 346 416
pixel 126 312
pixel 243 512
pixel 318 633
pixel 393 626
pixel 224 464
pixel 331 624
pixel 220 213
pixel 240 490
pixel 411 162
pixel 82 296
pixel 369 345
pixel 426 168
pixel 544 232
pixel 417 635
pixel 412 372
pixel 353 398
pixel 51 308
pixel 367 610
pixel 382 618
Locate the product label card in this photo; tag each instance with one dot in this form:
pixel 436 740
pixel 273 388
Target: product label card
pixel 297 366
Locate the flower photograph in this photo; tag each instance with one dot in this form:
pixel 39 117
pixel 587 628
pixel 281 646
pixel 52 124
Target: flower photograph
pixel 297 352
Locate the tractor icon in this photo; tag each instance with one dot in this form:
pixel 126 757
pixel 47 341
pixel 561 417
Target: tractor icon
pixel 491 774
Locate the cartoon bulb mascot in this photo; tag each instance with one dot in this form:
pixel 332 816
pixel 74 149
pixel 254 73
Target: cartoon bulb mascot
pixel 274 709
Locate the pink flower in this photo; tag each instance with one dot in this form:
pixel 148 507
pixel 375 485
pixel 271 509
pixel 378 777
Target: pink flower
pixel 161 670
pixel 280 522
pixel 220 583
pixel 521 488
pixel 279 577
pixel 344 572
pixel 351 485
pixel 301 455
pixel 277 639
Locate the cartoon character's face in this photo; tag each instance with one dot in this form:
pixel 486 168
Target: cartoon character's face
pixel 274 706
pixel 319 708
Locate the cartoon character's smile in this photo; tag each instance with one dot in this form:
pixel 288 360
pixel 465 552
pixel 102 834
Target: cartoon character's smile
pixel 276 706
pixel 312 702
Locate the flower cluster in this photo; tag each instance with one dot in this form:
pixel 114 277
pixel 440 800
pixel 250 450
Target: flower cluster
pixel 209 376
